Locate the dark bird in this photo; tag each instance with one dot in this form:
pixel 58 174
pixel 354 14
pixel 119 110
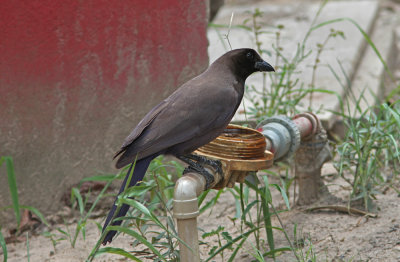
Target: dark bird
pixel 192 116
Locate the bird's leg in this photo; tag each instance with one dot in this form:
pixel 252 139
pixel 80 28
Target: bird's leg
pixel 216 164
pixel 195 165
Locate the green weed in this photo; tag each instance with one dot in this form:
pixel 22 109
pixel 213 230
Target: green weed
pixel 368 150
pixel 150 215
pixel 12 185
pixel 3 246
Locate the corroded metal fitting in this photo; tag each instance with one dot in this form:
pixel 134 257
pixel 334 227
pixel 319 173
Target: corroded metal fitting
pixel 283 134
pixel 314 121
pixel 241 150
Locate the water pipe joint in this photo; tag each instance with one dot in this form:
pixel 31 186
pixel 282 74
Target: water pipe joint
pixel 187 189
pixel 283 134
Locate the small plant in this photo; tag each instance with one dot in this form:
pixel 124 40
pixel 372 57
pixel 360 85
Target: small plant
pixel 154 228
pixel 369 148
pixel 287 90
pixel 304 247
pixel 12 185
pixel 231 244
pixel 80 202
pixel 320 47
pixel 221 234
pixel 54 238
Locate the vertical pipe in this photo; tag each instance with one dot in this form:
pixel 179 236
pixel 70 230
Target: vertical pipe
pixel 187 230
pixel 186 210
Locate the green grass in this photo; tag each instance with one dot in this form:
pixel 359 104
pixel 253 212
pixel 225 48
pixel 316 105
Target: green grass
pixel 12 185
pixel 370 148
pixel 151 219
pixel 3 246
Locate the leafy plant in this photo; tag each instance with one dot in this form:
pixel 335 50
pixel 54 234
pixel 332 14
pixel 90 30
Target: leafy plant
pixel 287 89
pixel 221 234
pixel 12 185
pixel 304 247
pixel 370 147
pixel 150 215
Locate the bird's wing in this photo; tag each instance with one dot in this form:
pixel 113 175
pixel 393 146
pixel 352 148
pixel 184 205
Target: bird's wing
pixel 184 118
pixel 146 121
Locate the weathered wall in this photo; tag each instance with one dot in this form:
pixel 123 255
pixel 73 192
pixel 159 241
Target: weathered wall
pixel 76 77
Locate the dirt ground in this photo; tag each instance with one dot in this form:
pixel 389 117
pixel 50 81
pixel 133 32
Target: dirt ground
pixel 334 236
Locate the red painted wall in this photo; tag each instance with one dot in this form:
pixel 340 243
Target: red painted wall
pixel 76 76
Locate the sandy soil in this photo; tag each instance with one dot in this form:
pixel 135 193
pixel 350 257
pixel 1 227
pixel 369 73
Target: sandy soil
pixel 334 236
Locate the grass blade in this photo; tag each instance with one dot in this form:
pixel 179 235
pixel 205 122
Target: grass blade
pixel 12 185
pixel 232 257
pixel 266 198
pixel 268 224
pixel 3 246
pixel 138 237
pixel 37 213
pixel 245 235
pixel 75 194
pixel 118 251
pixel 283 193
pixel 273 252
pixel 104 178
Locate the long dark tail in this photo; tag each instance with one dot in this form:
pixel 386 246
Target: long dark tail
pixel 138 174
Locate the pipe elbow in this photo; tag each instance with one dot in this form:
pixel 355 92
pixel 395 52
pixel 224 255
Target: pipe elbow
pixel 187 189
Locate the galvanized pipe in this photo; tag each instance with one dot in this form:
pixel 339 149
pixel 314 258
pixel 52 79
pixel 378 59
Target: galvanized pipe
pixel 186 210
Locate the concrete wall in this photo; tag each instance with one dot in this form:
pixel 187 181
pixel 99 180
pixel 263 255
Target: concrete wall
pixel 76 77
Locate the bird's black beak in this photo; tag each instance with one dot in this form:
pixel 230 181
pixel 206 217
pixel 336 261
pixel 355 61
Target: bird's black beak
pixel 264 66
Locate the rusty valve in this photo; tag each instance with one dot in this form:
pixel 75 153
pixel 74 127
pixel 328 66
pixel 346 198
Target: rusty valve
pixel 240 150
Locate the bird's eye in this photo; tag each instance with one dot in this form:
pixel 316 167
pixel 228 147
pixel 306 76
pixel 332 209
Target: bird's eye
pixel 249 55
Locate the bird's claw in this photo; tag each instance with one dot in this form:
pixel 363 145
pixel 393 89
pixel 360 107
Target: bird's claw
pixel 196 164
pixel 188 169
pixel 202 171
pixel 216 164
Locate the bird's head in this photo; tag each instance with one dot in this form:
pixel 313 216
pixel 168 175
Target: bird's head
pixel 246 61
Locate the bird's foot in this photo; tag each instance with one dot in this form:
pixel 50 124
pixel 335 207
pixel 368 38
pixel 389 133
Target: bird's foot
pixel 215 164
pixel 196 164
pixel 202 171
